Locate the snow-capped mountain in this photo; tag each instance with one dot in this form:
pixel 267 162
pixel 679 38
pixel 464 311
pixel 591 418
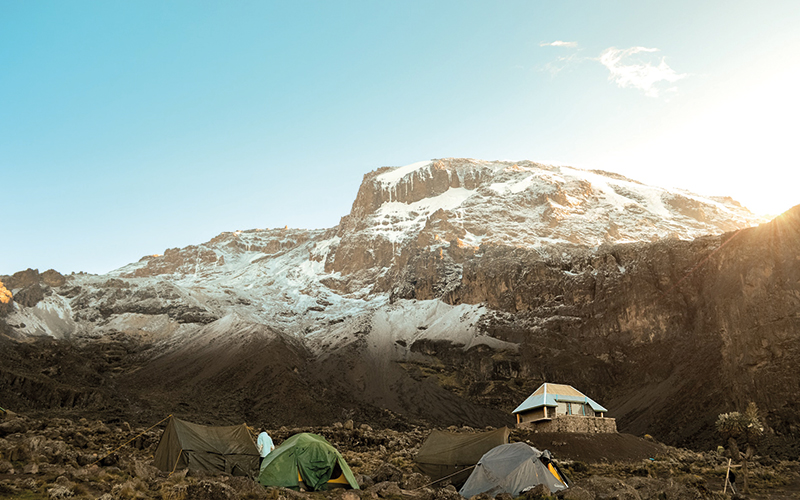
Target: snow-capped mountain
pixel 319 284
pixel 451 290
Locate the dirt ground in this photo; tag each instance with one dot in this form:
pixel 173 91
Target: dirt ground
pixel 52 458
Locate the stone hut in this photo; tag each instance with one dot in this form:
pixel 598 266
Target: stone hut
pixel 562 408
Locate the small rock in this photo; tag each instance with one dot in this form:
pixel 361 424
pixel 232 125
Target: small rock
pixel 368 495
pixel 28 484
pixel 21 453
pixel 63 481
pixel 80 440
pixel 349 425
pixel 86 459
pixel 386 489
pixel 449 492
pixel 414 480
pixel 59 492
pixel 576 493
pixel 210 490
pixel 110 460
pixel 363 481
pixel 14 426
pixel 539 491
pixel 288 494
pixel 388 472
pixel 350 495
pixel 144 470
pixel 30 469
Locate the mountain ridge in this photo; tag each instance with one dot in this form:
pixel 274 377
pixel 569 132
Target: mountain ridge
pixel 447 278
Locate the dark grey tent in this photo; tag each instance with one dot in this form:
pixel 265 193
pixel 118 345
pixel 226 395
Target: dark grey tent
pixel 512 468
pixel 199 447
pixel 447 453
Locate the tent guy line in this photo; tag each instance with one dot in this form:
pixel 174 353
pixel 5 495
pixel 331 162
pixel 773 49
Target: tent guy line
pixel 129 441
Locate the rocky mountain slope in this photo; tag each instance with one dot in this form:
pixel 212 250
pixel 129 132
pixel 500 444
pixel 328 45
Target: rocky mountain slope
pixel 449 292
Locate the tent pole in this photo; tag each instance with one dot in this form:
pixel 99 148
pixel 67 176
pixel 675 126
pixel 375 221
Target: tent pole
pixel 176 463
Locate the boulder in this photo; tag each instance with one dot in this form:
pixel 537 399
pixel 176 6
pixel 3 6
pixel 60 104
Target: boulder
pixel 144 470
pixel 54 451
pixel 59 492
pixel 386 489
pixel 576 493
pixel 414 480
pixel 20 453
pixel 110 460
pixel 364 481
pixel 12 426
pixel 210 490
pixel 349 495
pixel 79 440
pixel 538 492
pixel 63 481
pixel 449 492
pixel 388 472
pixel 85 459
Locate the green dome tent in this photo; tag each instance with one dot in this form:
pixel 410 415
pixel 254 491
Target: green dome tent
pixel 308 461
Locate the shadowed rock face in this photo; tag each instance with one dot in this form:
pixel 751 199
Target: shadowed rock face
pixel 302 326
pixel 668 335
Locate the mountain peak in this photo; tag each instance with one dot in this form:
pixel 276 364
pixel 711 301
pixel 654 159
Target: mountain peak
pixel 528 204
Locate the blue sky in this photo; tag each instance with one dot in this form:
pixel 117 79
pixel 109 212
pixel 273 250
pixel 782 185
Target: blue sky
pixel 130 127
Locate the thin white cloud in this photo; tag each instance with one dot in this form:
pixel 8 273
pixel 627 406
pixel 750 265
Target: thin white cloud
pixel 629 68
pixel 558 43
pixel 555 67
pixel 561 62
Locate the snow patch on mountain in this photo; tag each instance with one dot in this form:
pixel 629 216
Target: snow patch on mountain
pixel 393 327
pixel 393 176
pixel 399 221
pixel 51 316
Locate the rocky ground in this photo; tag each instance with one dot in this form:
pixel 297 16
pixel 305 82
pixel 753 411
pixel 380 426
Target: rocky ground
pixel 55 458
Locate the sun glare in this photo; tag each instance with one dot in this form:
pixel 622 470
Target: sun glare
pixel 744 148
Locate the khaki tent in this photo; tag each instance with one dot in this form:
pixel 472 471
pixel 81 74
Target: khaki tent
pixel 513 468
pixel 446 454
pixel 199 447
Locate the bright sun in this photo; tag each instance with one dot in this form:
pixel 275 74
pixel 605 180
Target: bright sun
pixel 744 148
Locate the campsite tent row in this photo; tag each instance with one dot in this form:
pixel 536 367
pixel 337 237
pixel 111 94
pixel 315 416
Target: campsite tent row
pixel 486 463
pixel 481 462
pixel 304 460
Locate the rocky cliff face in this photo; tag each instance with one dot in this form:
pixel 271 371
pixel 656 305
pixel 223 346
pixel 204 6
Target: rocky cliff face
pixel 451 290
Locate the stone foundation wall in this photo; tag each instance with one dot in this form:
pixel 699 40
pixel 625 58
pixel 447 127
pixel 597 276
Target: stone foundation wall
pixel 573 423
